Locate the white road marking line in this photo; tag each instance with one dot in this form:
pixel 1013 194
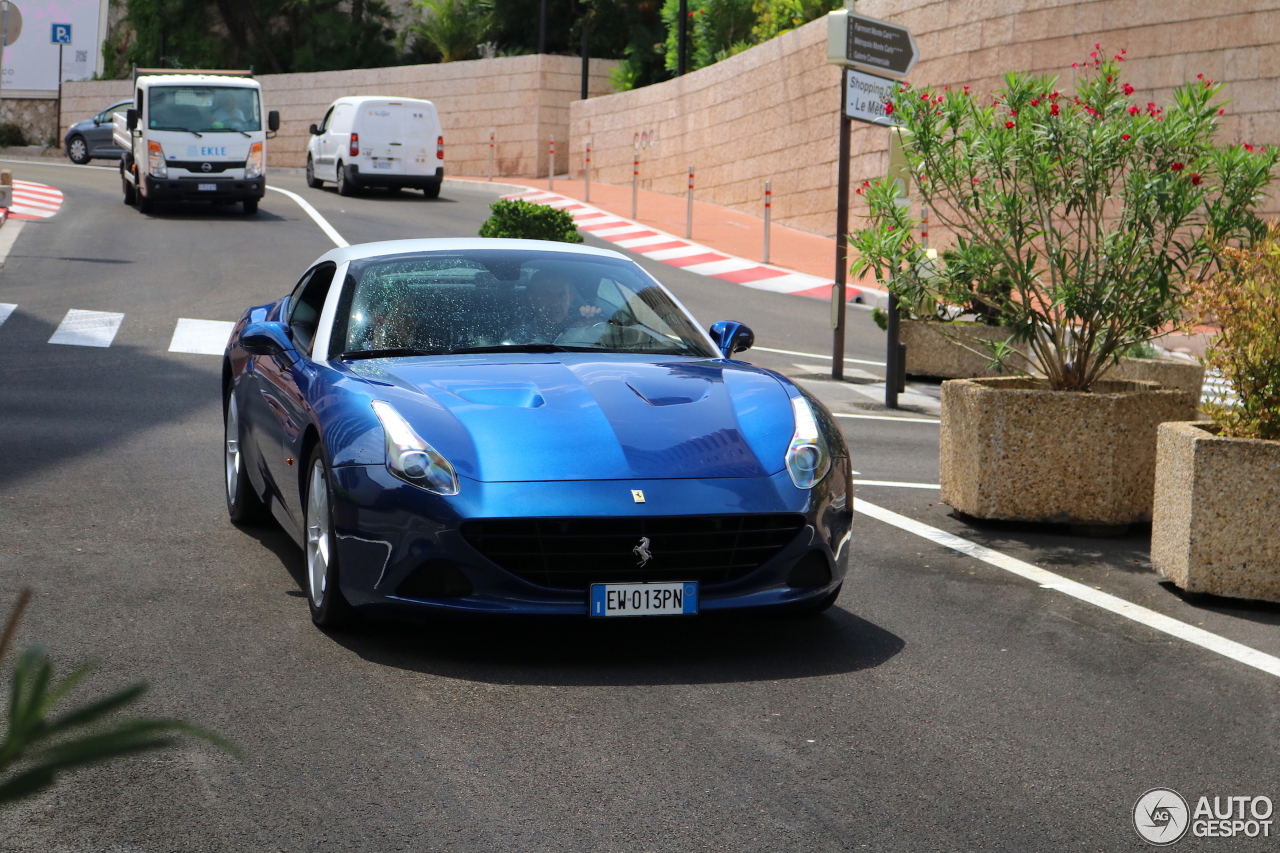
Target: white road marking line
pixel 87 328
pixel 57 165
pixel 896 485
pixel 328 229
pixel 1048 580
pixel 609 232
pixel 8 234
pixel 201 337
pixel 720 267
pixel 680 252
pixel 816 355
pixel 6 310
pixel 886 418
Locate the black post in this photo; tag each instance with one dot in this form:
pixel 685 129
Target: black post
pixel 682 35
pixel 586 55
pixel 842 233
pixel 893 369
pixel 57 122
pixel 542 27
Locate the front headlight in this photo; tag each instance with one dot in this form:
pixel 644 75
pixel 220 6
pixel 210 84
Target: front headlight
pixel 412 459
pixel 808 458
pixel 253 165
pixel 155 161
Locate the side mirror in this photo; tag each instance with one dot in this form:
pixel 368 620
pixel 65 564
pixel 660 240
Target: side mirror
pixel 268 338
pixel 97 121
pixel 131 118
pixel 732 337
pixel 315 131
pixel 273 121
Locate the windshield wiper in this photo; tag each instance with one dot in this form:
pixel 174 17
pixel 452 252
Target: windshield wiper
pixel 395 352
pixel 524 348
pixel 184 129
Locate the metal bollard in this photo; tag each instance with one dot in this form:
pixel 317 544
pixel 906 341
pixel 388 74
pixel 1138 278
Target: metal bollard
pixel 551 164
pixel 635 182
pixel 688 213
pixel 586 175
pixel 768 212
pixel 491 135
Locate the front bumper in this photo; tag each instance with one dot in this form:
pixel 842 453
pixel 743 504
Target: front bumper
pixel 375 179
pixel 386 530
pixel 188 189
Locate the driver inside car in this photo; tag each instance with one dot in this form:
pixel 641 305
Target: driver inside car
pixel 550 310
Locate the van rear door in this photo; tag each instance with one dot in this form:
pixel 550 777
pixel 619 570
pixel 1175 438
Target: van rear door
pixel 381 128
pixel 422 132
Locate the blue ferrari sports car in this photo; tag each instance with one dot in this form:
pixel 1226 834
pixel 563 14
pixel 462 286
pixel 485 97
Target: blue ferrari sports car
pixel 523 427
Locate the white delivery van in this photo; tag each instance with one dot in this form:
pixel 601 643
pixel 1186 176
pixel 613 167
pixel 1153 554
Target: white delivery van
pixel 194 136
pixel 377 142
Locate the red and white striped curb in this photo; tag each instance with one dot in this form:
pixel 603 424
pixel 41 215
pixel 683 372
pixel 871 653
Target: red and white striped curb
pixel 34 201
pixel 692 257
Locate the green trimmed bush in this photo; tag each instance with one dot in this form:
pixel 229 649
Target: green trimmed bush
pixel 523 220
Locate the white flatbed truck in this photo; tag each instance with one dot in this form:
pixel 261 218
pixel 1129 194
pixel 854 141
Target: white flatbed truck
pixel 194 136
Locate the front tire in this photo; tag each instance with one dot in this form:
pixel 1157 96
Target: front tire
pixel 822 605
pixel 243 504
pixel 329 609
pixel 345 187
pixel 145 205
pixel 130 191
pixel 250 206
pixel 312 181
pixel 78 150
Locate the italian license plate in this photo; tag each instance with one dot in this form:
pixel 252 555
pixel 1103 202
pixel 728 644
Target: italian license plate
pixel 382 164
pixel 643 599
pixel 207 187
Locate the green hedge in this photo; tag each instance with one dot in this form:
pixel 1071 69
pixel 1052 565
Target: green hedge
pixel 525 220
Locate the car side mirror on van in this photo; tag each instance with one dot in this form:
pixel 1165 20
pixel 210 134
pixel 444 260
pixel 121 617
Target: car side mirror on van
pixel 131 118
pixel 732 337
pixel 315 131
pixel 273 121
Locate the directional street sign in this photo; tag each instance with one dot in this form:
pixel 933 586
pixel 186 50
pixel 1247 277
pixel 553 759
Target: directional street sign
pixel 61 34
pixel 870 44
pixel 866 95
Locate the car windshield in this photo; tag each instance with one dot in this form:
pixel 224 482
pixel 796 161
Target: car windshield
pixel 439 303
pixel 204 109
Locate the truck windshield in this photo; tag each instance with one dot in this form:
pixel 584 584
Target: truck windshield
pixel 204 109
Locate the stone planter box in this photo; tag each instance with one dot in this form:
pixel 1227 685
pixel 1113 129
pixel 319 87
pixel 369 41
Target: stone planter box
pixel 1216 501
pixel 1167 372
pixel 932 352
pixel 1013 450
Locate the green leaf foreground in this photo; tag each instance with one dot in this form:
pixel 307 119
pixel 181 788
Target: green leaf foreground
pixel 524 220
pixel 1077 222
pixel 39 746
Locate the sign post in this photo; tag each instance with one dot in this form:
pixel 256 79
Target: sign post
pixel 61 36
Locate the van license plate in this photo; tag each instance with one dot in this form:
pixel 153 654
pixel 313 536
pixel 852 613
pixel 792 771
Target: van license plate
pixel 644 599
pixel 207 187
pixel 382 164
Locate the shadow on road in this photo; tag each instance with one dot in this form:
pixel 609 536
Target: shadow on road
pixel 1262 612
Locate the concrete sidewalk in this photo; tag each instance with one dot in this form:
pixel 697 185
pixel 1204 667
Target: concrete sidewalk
pixel 727 231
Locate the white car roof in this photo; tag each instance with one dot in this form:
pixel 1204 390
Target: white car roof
pixel 359 99
pixel 362 251
pixel 197 79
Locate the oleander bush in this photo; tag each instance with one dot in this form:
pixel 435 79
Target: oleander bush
pixel 1242 300
pixel 525 220
pixel 1079 219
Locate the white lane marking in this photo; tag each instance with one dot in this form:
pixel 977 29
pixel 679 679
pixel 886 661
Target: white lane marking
pixel 817 355
pixel 56 165
pixel 896 485
pixel 681 252
pixel 6 310
pixel 714 268
pixel 201 337
pixel 315 216
pixel 87 328
pixel 643 241
pixel 8 234
pixel 886 418
pixel 1048 580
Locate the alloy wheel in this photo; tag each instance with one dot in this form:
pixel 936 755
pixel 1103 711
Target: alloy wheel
pixel 318 533
pixel 232 454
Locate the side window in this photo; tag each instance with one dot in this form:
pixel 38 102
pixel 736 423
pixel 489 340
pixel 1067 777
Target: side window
pixel 306 304
pixel 343 114
pixel 324 125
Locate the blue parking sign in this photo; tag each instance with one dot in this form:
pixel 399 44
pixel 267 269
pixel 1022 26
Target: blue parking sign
pixel 61 34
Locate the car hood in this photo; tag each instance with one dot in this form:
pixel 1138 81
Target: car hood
pixel 594 417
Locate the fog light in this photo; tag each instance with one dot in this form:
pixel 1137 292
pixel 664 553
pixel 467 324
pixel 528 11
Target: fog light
pixel 813 569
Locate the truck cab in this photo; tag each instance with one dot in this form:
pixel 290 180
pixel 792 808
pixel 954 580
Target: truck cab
pixel 194 136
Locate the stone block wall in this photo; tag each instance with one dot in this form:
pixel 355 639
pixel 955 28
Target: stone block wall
pixel 37 117
pixel 522 99
pixel 771 113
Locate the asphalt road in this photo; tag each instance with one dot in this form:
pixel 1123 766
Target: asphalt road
pixel 941 705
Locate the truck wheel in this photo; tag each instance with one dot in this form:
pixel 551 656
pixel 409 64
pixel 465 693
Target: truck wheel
pixel 431 191
pixel 130 194
pixel 345 187
pixel 145 205
pixel 78 150
pixel 312 181
pixel 250 206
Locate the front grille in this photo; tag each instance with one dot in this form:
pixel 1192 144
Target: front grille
pixel 198 165
pixel 572 553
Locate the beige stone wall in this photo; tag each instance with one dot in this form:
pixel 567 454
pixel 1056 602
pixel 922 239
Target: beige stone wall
pixel 523 99
pixel 770 113
pixel 36 117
